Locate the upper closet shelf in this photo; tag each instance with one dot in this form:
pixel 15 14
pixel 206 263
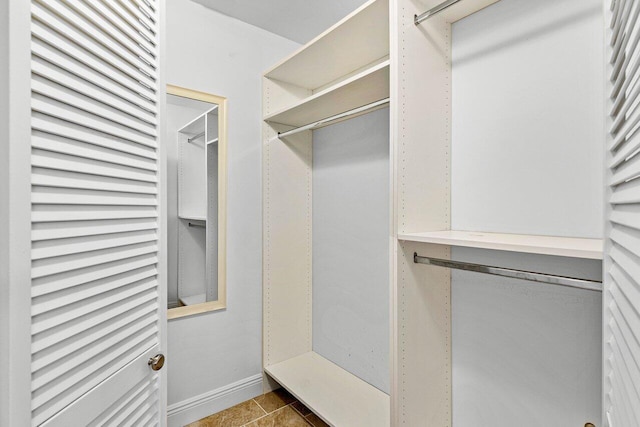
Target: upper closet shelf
pixel 196 125
pixel 363 88
pixel 359 39
pixel 534 244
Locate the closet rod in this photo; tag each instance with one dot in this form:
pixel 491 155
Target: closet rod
pixel 194 137
pixel 334 118
pixel 572 282
pixel 191 224
pixel 417 19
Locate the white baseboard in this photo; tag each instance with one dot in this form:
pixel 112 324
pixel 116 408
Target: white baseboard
pixel 197 407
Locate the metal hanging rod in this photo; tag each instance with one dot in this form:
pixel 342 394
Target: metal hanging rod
pixel 334 118
pixel 417 19
pixel 193 224
pixel 571 282
pixel 194 137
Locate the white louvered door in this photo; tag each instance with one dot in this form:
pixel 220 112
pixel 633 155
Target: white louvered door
pixel 96 305
pixel 622 264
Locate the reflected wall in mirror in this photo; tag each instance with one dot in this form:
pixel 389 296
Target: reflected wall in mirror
pixel 196 181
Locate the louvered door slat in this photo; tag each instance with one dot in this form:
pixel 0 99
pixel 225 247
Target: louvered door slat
pixel 109 52
pixel 65 196
pixel 66 365
pixel 89 337
pixel 64 162
pixel 109 12
pixel 63 61
pixel 122 409
pixel 57 144
pixel 45 402
pixel 57 109
pixel 632 145
pixel 95 212
pixel 65 229
pixel 62 264
pixel 49 39
pixel 89 139
pixel 83 103
pixel 69 213
pixel 65 179
pixel 76 245
pixel 122 11
pixel 79 277
pixel 107 26
pixel 87 88
pixel 100 32
pixel 621 332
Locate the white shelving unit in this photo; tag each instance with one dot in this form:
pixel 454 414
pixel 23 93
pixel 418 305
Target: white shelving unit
pixel 374 53
pixel 344 68
pixel 422 134
pixel 363 88
pixel 525 243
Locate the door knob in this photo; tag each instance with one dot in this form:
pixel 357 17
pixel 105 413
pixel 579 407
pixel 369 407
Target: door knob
pixel 157 362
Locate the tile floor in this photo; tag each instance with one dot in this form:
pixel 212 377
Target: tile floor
pixel 275 409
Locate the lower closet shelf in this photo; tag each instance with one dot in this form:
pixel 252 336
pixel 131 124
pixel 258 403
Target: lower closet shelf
pixel 335 395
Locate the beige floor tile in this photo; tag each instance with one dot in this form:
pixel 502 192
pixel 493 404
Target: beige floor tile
pixel 284 417
pixel 274 400
pixel 235 416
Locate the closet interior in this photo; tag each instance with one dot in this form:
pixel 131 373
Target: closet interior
pixel 494 166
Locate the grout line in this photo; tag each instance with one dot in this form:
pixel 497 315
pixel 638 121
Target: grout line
pixel 273 412
pixel 259 406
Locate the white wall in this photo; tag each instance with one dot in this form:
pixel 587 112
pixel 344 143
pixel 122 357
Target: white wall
pixel 215 359
pixel 4 212
pixel 351 246
pixel 527 105
pixel 528 118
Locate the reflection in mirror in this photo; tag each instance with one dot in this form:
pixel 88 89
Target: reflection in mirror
pixel 196 161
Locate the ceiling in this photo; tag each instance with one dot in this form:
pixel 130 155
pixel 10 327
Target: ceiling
pixel 297 20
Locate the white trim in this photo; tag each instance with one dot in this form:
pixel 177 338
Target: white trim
pixel 213 401
pixel 163 262
pixel 18 200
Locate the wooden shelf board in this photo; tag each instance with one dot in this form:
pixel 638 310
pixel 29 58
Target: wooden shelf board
pixel 363 88
pixel 335 395
pixel 193 217
pixel 194 126
pixel 359 39
pixel 545 245
pixel 197 124
pixel 193 299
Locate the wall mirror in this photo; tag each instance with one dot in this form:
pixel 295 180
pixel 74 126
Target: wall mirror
pixel 196 142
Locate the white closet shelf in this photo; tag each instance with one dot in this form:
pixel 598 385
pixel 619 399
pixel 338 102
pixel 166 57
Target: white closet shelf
pixel 335 395
pixel 525 243
pixel 194 299
pixel 197 124
pixel 213 141
pixel 194 126
pixel 189 217
pixel 360 38
pixel 363 88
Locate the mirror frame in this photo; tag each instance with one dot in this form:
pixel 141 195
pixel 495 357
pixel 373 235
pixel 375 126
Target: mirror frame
pixel 221 302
